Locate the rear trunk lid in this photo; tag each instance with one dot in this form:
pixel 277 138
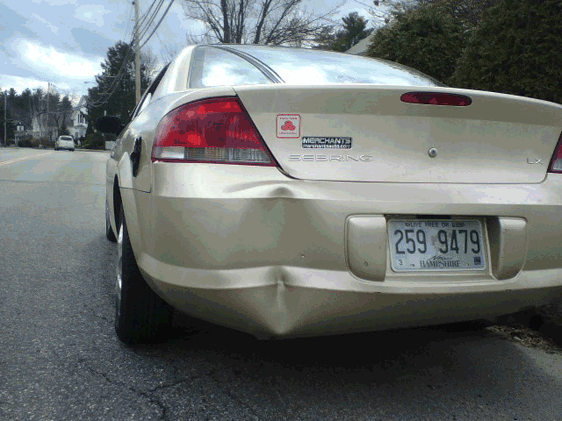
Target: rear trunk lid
pixel 366 133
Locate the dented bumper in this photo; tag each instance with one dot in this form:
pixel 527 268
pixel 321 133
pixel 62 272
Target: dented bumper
pixel 276 257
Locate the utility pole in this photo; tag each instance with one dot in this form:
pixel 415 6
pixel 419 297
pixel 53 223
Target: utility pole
pixel 137 54
pixel 5 118
pixel 48 90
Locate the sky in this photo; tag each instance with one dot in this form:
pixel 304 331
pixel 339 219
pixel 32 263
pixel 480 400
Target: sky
pixel 65 41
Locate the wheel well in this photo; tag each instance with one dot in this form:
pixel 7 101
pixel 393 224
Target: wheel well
pixel 116 201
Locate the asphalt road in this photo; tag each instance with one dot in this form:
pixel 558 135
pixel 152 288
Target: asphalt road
pixel 60 358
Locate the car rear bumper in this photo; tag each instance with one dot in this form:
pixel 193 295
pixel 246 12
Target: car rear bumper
pixel 277 257
pixel 291 302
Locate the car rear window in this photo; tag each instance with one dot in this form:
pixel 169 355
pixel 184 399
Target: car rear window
pixel 65 138
pixel 216 67
pixel 314 67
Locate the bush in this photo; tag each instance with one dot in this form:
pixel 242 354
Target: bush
pixel 28 142
pixel 94 141
pixel 515 50
pixel 45 142
pixel 427 39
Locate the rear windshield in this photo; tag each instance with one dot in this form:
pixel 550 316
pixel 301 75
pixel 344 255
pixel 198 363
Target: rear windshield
pixel 65 138
pixel 305 67
pixel 216 67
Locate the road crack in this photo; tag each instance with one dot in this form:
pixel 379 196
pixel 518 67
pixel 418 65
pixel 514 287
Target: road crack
pixel 232 396
pixel 148 394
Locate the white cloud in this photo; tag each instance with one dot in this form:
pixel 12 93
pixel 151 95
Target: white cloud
pixel 92 13
pixel 21 83
pixel 52 27
pixel 55 63
pixel 56 2
pixel 74 91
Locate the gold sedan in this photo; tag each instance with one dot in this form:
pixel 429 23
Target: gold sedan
pixel 290 192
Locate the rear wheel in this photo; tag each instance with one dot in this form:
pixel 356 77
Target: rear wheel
pixel 141 316
pixel 109 234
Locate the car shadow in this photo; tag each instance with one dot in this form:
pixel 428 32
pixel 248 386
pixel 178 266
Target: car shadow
pixel 428 371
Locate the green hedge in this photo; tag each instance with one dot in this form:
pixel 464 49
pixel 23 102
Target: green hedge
pixel 28 142
pixel 427 39
pixel 516 49
pixel 93 141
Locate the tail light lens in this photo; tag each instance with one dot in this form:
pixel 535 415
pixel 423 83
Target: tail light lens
pixel 216 131
pixel 556 161
pixel 436 98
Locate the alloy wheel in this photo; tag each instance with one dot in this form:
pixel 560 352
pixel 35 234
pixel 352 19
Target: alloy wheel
pixel 119 280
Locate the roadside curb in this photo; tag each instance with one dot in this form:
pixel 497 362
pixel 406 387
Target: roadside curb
pixel 92 150
pixel 52 149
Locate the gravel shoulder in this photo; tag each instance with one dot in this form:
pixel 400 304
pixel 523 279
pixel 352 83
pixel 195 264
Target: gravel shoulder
pixel 541 328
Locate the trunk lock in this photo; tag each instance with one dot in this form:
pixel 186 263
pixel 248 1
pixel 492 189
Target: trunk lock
pixel 432 152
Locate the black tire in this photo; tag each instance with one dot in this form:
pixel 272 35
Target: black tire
pixel 141 316
pixel 109 234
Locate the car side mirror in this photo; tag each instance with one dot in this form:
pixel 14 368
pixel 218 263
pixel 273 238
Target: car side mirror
pixel 109 125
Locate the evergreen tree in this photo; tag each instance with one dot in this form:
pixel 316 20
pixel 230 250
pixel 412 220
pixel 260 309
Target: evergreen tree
pixel 354 30
pixel 115 90
pixel 516 50
pixel 5 99
pixel 427 39
pixel 468 12
pixel 65 112
pixel 21 108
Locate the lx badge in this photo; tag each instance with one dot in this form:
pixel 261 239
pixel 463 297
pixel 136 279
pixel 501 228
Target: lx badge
pixel 533 161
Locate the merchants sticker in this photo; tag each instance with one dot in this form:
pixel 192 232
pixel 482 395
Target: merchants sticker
pixel 288 125
pixel 318 142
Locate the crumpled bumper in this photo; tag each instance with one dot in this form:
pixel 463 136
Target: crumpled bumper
pixel 256 251
pixel 297 302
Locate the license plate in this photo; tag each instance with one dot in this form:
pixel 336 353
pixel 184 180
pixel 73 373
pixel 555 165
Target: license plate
pixel 436 245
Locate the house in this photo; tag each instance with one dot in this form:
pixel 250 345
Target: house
pixel 362 46
pixel 79 119
pixel 19 133
pixel 39 129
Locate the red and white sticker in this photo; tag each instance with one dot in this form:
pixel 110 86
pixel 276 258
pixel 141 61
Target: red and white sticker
pixel 288 125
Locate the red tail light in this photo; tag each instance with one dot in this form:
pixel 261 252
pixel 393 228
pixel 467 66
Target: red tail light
pixel 556 161
pixel 436 98
pixel 213 131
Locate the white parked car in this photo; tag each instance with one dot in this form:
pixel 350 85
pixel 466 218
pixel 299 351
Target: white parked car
pixel 65 142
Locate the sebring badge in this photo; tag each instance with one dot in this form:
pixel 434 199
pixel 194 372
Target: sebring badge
pixel 330 158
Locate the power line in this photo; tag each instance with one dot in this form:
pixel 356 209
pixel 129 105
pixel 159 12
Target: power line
pixel 146 14
pixel 108 92
pixel 141 32
pixel 158 24
pixel 147 19
pixel 116 79
pixel 128 23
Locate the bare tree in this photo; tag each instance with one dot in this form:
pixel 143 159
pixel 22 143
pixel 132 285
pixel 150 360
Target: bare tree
pixel 38 111
pixel 149 62
pixel 270 22
pixel 62 114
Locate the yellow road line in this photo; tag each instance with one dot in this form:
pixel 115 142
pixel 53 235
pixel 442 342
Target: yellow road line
pixel 23 158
